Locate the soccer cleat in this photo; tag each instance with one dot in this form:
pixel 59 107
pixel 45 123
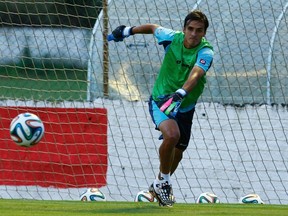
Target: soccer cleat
pixel 163 192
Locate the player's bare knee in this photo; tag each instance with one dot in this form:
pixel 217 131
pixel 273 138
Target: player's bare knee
pixel 172 137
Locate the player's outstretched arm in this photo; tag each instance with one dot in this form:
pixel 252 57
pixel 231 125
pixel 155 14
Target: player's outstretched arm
pixel 123 31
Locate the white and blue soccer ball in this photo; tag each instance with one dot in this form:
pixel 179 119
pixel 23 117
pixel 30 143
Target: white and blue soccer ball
pixel 93 194
pixel 26 129
pixel 207 197
pixel 251 198
pixel 144 196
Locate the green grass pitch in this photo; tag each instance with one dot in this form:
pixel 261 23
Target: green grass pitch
pixel 40 84
pixel 10 207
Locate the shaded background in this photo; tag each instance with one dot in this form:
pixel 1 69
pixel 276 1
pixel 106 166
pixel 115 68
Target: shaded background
pixel 51 13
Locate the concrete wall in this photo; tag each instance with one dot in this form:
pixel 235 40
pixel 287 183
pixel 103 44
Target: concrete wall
pixel 67 46
pixel 245 34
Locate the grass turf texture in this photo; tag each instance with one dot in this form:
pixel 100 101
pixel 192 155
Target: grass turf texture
pixel 52 83
pixel 78 208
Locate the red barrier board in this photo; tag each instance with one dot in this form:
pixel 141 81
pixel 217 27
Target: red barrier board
pixel 72 153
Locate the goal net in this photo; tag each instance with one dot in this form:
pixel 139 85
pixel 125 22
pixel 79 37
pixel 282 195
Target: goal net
pixel 92 97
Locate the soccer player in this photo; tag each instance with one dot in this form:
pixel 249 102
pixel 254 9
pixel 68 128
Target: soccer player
pixel 180 82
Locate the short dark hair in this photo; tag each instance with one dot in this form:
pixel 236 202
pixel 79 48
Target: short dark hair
pixel 197 15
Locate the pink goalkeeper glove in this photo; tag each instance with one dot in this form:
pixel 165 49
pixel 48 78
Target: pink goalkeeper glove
pixel 173 102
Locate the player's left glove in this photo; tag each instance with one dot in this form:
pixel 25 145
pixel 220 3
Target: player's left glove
pixel 120 33
pixel 170 106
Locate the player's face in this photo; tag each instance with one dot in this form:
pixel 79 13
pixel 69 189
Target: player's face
pixel 194 31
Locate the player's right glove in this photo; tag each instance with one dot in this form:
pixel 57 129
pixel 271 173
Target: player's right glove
pixel 120 33
pixel 171 104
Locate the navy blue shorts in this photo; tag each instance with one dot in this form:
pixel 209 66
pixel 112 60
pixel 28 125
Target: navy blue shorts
pixel 184 121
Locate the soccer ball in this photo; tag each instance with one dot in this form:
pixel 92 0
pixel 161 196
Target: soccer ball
pixel 92 194
pixel 207 198
pixel 144 196
pixel 26 129
pixel 251 198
